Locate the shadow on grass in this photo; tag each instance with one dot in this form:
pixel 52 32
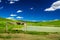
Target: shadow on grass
pixel 29 32
pixel 5 37
pixel 33 32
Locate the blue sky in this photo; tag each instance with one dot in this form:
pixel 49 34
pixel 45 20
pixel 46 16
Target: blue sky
pixel 30 9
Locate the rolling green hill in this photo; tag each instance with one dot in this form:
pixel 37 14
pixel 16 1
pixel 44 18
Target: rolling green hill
pixel 3 23
pixel 29 23
pixel 48 23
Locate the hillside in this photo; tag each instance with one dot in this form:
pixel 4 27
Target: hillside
pixel 3 23
pixel 48 23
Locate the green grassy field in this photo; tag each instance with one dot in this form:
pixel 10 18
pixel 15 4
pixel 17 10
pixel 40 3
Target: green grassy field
pixel 3 22
pixel 29 23
pixel 28 35
pixel 51 23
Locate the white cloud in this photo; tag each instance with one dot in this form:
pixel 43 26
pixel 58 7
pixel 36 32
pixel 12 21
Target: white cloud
pixel 54 6
pixel 19 17
pixel 1 7
pixel 11 2
pixel 50 9
pixel 0 1
pixel 10 18
pixel 44 20
pixel 13 15
pixel 31 8
pixel 33 20
pixel 55 19
pixel 16 0
pixel 18 11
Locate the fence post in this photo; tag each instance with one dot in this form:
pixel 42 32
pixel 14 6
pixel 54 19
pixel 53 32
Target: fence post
pixel 25 26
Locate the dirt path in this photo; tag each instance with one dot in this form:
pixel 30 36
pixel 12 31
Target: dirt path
pixel 22 36
pixel 41 29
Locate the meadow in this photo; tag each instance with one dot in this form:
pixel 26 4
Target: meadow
pixel 27 35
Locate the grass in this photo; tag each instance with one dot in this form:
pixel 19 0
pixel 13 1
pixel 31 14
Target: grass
pixel 5 37
pixel 8 36
pixel 36 33
pixel 29 35
pixel 24 36
pixel 52 23
pixel 28 32
pixel 10 27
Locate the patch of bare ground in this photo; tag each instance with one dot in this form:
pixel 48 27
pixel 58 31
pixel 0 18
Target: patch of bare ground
pixel 22 36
